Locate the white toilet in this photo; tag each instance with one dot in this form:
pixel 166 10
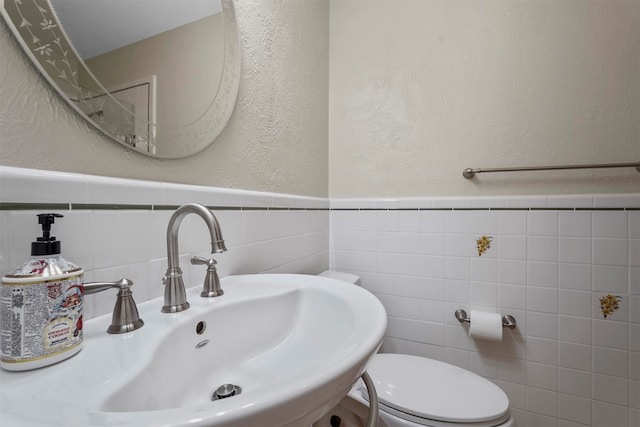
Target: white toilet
pixel 415 391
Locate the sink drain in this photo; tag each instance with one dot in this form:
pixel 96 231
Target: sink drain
pixel 226 390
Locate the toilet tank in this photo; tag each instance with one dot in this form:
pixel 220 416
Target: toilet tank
pixel 339 275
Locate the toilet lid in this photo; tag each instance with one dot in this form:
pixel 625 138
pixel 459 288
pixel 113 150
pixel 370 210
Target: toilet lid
pixel 435 390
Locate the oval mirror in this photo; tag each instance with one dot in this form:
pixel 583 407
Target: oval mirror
pixel 159 76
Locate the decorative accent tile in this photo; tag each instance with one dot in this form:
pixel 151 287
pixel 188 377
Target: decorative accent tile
pixel 483 244
pixel 609 304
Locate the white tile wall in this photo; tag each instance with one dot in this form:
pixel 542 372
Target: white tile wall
pixel 565 364
pixel 110 244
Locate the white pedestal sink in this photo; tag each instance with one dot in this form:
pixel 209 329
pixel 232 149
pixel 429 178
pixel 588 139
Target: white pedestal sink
pixel 294 344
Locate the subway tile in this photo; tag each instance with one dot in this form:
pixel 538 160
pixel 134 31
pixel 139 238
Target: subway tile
pixel 387 241
pixel 634 224
pixel 575 382
pixel 607 333
pixel 634 394
pixel 459 245
pixel 542 376
pixel 542 274
pixel 574 408
pixel 574 276
pixel 542 325
pixel 484 294
pixel 542 248
pixel 634 281
pixel 512 370
pixel 609 415
pixel 575 355
pixel 484 269
pixel 610 361
pixel 609 224
pixel 433 288
pixel 484 222
pixel 610 252
pixel 542 350
pixel 574 250
pixel 513 272
pixel 543 300
pixel 610 279
pixel 634 365
pixel 387 221
pixel 409 243
pixel 542 223
pixel 611 389
pixel 432 243
pixel 542 401
pixel 458 222
pixel 409 264
pixel 574 303
pixel 634 308
pixel 634 252
pixel 574 224
pixel 458 291
pixel 458 268
pixel 512 247
pixel 409 221
pixel 512 223
pixel 574 329
pixel 512 296
pixel 432 221
pixel 433 266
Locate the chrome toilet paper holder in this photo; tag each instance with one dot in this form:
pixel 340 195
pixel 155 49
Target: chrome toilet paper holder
pixel 508 321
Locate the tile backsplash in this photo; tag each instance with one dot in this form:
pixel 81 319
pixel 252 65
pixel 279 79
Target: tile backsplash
pixel 548 261
pixel 116 228
pixel 545 260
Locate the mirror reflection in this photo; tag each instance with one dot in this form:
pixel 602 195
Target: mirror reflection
pixel 160 76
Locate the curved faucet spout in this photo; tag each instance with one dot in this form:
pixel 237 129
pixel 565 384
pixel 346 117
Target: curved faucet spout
pixel 175 298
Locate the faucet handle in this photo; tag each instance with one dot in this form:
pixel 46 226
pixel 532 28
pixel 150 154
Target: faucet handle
pixel 211 286
pixel 125 316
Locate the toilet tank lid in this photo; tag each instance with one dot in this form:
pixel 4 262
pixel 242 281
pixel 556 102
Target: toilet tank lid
pixel 430 389
pixel 339 275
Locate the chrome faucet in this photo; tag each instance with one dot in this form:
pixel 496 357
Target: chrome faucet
pixel 175 297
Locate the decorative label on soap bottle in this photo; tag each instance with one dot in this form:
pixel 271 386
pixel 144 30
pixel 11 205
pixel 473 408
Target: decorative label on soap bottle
pixel 40 319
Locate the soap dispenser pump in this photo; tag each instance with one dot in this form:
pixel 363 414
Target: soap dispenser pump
pixel 41 304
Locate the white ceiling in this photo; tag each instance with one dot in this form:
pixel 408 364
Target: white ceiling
pixel 99 26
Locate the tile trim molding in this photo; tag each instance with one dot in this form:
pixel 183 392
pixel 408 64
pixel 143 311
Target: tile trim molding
pixel 70 191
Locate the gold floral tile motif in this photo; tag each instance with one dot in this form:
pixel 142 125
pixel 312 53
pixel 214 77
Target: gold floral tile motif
pixel 609 304
pixel 483 244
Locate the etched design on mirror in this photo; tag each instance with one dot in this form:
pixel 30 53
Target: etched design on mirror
pixel 42 35
pixel 38 30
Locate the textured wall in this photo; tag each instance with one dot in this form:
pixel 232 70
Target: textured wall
pixel 276 139
pixel 420 90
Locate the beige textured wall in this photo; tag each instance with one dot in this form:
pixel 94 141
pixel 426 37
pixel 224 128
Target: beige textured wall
pixel 276 139
pixel 420 90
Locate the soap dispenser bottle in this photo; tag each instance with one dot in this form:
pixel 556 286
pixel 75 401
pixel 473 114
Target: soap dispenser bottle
pixel 41 306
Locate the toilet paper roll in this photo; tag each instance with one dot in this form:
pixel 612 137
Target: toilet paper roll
pixel 486 326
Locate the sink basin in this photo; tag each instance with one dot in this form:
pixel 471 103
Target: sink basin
pixel 294 344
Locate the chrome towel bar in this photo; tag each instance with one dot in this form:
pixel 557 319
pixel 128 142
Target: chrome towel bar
pixel 470 172
pixel 508 321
